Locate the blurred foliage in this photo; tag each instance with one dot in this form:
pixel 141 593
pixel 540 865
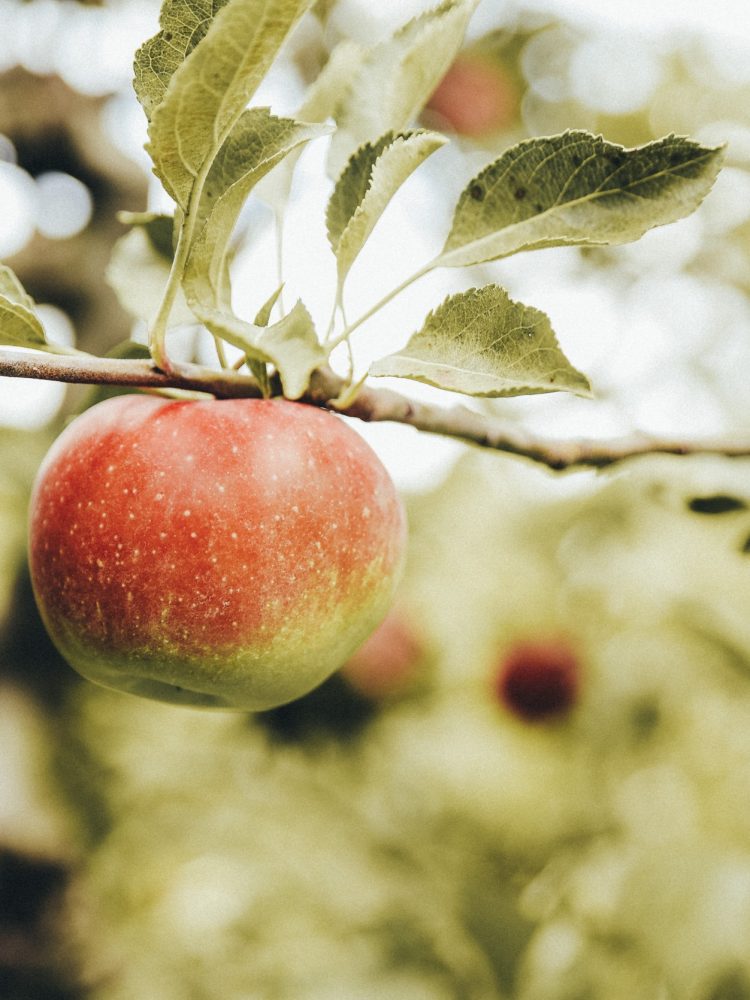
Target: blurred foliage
pixel 435 845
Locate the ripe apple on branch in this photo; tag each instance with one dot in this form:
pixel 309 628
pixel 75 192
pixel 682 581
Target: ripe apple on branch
pixel 232 546
pixel 227 554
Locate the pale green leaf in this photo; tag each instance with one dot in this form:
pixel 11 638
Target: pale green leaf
pixel 138 271
pixel 19 324
pixel 396 78
pixel 322 100
pixel 183 23
pixel 364 189
pixel 209 90
pixel 576 189
pixel 161 229
pixel 333 84
pixel 263 316
pixel 257 143
pixel 291 345
pixel 482 343
pixel 11 288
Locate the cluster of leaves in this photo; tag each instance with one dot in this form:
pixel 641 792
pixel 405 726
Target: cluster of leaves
pixel 195 79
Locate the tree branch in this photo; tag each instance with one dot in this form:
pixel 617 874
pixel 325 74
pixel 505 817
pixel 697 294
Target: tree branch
pixel 114 371
pixel 370 405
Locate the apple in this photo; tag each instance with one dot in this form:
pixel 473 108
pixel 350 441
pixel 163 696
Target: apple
pixel 476 97
pixel 539 679
pixel 226 553
pixel 388 662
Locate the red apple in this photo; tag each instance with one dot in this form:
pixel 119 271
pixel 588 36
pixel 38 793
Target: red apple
pixel 229 554
pixel 475 97
pixel 539 680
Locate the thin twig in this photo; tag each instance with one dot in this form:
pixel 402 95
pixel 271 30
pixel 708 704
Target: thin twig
pixel 370 405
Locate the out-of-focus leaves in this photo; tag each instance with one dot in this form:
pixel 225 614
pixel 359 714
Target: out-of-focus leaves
pixel 138 270
pixel 19 324
pixel 322 100
pixel 20 454
pixel 395 78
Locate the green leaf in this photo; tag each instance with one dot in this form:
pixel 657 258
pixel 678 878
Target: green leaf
pixel 257 143
pixel 291 344
pixel 19 324
pixel 263 315
pixel 209 90
pixel 397 77
pixel 371 178
pixel 138 270
pixel 576 189
pixel 183 24
pixel 259 368
pixel 482 343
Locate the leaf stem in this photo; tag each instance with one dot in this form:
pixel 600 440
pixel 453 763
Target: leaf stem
pixel 157 335
pixel 221 354
pixel 278 218
pixel 158 331
pixel 349 330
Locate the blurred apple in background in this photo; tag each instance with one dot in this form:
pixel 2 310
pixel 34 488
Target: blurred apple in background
pixel 389 662
pixel 477 97
pixel 539 679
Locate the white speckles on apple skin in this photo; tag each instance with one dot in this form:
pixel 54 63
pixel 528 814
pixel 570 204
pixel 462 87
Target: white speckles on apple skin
pixel 220 606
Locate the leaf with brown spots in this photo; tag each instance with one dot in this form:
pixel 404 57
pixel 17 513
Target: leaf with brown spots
pixel 576 189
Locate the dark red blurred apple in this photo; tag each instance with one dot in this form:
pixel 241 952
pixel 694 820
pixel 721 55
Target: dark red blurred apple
pixel 539 680
pixel 229 554
pixel 476 97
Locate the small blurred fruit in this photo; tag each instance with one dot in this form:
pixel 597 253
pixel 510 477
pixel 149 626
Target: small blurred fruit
pixel 388 662
pixel 539 680
pixel 476 97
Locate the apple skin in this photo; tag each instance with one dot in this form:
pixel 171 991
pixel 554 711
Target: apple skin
pixel 225 554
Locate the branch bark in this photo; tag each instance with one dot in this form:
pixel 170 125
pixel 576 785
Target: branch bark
pixel 370 405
